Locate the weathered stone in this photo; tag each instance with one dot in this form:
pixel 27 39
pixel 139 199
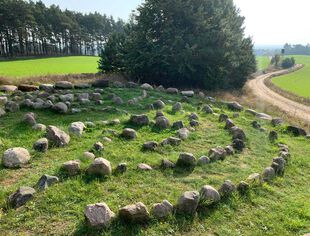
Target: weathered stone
pixel 218 153
pixel 57 137
pixel 285 155
pixel 268 174
pixel 167 164
pixel 60 107
pixel 96 96
pixel 273 136
pixel 229 124
pixel 139 120
pixel 229 150
pixel 121 168
pixel 280 165
pixel 8 88
pixel 144 167
pixel 227 188
pixel 89 155
pixel 41 145
pixel 256 125
pixel 98 215
pixel 223 117
pixel 21 197
pixel 118 101
pixel 183 133
pixel 243 187
pixel 150 146
pixel 193 116
pixel 254 178
pixel 194 123
pixel 129 133
pixel 72 167
pixel 188 93
pixel 162 210
pixel 204 160
pixel 188 203
pixel 77 128
pixel 27 88
pixel 63 85
pixel 39 127
pixel 234 106
pixel 251 112
pixel 186 160
pixel 277 121
pixel 98 147
pixel 100 83
pixel 147 86
pixel 174 141
pixel 238 144
pixel 46 181
pixel 172 90
pixel 209 195
pixel 159 113
pixel 2 112
pixel 237 133
pixel 47 87
pixel 296 131
pixel 3 100
pixel 136 213
pixel 30 118
pixel 15 157
pixel 162 122
pixel 264 116
pixel 131 84
pixel 159 104
pixel 82 86
pixel 100 166
pixel 207 109
pixel 11 106
pixel 178 125
pixel 177 107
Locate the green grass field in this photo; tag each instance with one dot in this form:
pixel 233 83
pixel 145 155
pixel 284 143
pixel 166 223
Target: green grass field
pixel 48 66
pixel 280 208
pixel 297 82
pixel 262 62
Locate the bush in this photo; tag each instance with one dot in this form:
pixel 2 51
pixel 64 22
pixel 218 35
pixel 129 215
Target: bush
pixel 288 63
pixel 192 43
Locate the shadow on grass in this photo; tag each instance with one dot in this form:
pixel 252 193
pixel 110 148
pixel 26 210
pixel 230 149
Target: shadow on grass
pixel 180 172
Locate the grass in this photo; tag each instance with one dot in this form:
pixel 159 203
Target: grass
pixel 48 66
pixel 297 82
pixel 262 62
pixel 281 208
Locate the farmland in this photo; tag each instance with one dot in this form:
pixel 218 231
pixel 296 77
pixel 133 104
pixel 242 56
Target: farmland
pixel 262 62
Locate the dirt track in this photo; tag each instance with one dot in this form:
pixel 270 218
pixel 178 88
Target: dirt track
pixel 264 94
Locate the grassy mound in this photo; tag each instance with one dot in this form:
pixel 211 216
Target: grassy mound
pixel 281 208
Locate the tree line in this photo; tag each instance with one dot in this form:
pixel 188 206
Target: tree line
pixel 190 43
pixel 297 49
pixel 33 29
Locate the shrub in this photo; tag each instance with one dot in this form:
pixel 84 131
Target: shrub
pixel 288 63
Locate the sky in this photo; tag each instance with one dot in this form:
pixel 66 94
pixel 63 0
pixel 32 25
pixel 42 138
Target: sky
pixel 268 22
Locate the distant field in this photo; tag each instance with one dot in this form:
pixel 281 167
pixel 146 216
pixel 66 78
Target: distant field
pixel 262 62
pixel 48 66
pixel 297 82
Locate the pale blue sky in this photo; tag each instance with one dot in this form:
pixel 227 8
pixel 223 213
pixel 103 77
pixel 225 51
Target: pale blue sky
pixel 267 21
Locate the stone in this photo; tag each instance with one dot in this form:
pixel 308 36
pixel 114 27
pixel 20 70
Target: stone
pixel 21 197
pixel 167 164
pixel 60 107
pixel 99 215
pixel 223 117
pixel 188 203
pixel 57 137
pixel 159 113
pixel 201 94
pixel 194 123
pixel 162 122
pixel 280 165
pixel 11 106
pixel 82 96
pixel 67 97
pixel 186 160
pixel 27 88
pixel 146 86
pixel 229 124
pixel 30 118
pixel 243 187
pixel 136 213
pixel 229 150
pixel 121 168
pixel 251 112
pixel 72 167
pixel 100 83
pixel 15 157
pixel 254 178
pixel 46 181
pixel 89 155
pixel 150 146
pixel 143 166
pixel 63 85
pixel 100 166
pixel 193 116
pixel 207 109
pixel 174 141
pixel 118 84
pixel 39 127
pixel 2 112
pixel 8 88
pixel 129 133
pixel 162 210
pixel 227 188
pixel 139 120
pixel 204 160
pixel 96 96
pixel 82 86
pixel 118 101
pixel 268 174
pixel 256 125
pixel 273 136
pixel 77 128
pixel 47 87
pixel 238 144
pixel 172 90
pixel 114 122
pixel 183 133
pixel 106 140
pixel 188 93
pixel 216 154
pixel 178 125
pixel 277 121
pixel 41 145
pixel 264 116
pixel 237 133
pixel 3 100
pixel 234 106
pixel 90 124
pixel 177 107
pixel 131 84
pixel 209 195
pixel 296 131
pixel 285 155
pixel 98 147
pixel 159 104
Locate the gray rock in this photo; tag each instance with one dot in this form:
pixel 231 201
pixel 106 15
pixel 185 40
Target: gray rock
pixel 143 166
pixel 129 133
pixel 162 122
pixel 186 160
pixel 167 164
pixel 188 93
pixel 15 157
pixel 98 146
pixel 146 86
pixel 8 88
pixel 227 188
pixel 3 100
pixel 72 167
pixel 12 106
pixel 2 112
pixel 98 215
pixel 162 210
pixel 264 116
pixel 41 145
pixel 188 203
pixel 238 144
pixel 132 84
pixel 101 83
pixel 21 197
pixel 46 181
pixel 159 105
pixel 277 121
pixel 77 128
pixel 204 160
pixel 121 168
pixel 118 101
pixel 234 106
pixel 57 137
pixel 67 97
pixel 251 112
pixel 174 141
pixel 256 125
pixel 243 187
pixel 229 124
pixel 178 125
pixel 278 165
pixel 218 153
pixel 273 136
pixel 194 123
pixel 150 146
pixel 139 120
pixel 60 107
pixel 237 133
pixel 268 174
pixel 207 109
pixel 183 133
pixel 177 107
pixel 285 155
pixel 296 131
pixel 229 150
pixel 63 85
pixel 82 86
pixel 100 166
pixel 30 118
pixel 254 178
pixel 137 213
pixel 209 195
pixel 39 127
pixel 96 96
pixel 172 90
pixel 89 155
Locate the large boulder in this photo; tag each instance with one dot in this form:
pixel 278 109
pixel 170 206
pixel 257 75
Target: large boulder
pixel 46 181
pixel 296 131
pixel 57 137
pixel 278 164
pixel 77 128
pixel 41 145
pixel 72 167
pixel 100 166
pixel 139 120
pixel 227 188
pixel 162 210
pixel 98 215
pixel 237 133
pixel 21 197
pixel 129 133
pixel 268 174
pixel 15 157
pixel 60 107
pixel 218 153
pixel 136 213
pixel 188 93
pixel 186 160
pixel 159 104
pixel 234 106
pixel 177 107
pixel 162 122
pixel 147 86
pixel 188 203
pixel 209 195
pixel 150 146
pixel 63 85
pixel 172 90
